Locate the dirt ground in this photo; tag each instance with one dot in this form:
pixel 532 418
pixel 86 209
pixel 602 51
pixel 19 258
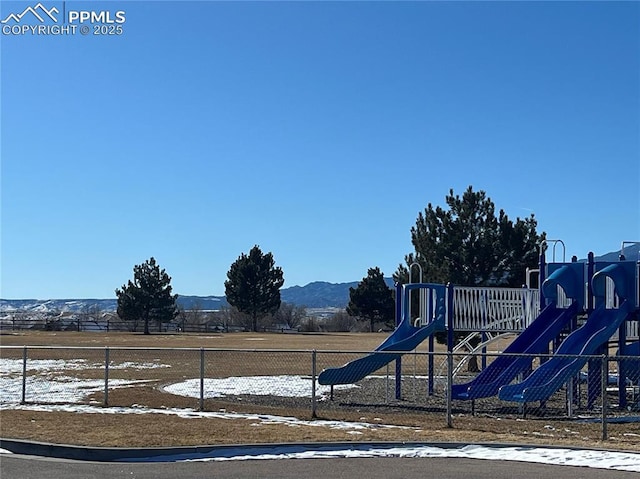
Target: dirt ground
pixel 419 423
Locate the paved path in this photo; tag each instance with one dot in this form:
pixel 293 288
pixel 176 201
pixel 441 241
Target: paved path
pixel 31 467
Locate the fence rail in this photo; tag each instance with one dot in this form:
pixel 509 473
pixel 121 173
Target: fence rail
pixel 17 322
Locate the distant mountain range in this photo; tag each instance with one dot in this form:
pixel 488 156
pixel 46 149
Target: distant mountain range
pixel 631 252
pixel 319 294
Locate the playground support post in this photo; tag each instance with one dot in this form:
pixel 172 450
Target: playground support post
pixel 592 369
pixel 399 299
pixel 590 272
pixel 622 369
pixel 603 380
pixel 431 367
pixel 449 389
pixel 541 277
pixel 449 320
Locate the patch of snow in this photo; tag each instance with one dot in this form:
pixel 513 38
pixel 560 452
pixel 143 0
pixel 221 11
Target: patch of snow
pixel 620 461
pixel 52 384
pixel 282 386
pixel 61 389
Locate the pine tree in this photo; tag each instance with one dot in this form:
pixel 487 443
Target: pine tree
pixel 372 300
pixel 468 245
pixel 148 297
pixel 253 285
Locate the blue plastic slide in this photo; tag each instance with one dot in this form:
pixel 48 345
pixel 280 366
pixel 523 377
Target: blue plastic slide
pixel 584 341
pixel 405 338
pixel 503 369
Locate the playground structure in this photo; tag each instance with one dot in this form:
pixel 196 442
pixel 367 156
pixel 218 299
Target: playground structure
pixel 578 309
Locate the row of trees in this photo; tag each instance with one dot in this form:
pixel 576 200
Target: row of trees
pixel 465 243
pixel 252 288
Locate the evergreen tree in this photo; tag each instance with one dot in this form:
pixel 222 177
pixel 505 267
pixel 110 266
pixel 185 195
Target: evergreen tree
pixel 148 297
pixel 372 300
pixel 253 285
pixel 468 245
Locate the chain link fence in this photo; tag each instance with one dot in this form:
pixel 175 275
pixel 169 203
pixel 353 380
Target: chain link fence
pixel 592 398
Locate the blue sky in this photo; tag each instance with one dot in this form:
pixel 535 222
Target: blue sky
pixel 315 130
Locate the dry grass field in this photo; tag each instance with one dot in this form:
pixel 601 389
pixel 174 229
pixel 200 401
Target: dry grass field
pixel 156 429
pixel 306 341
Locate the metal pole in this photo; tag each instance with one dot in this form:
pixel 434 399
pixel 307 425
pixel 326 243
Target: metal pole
pixel 24 376
pixel 201 379
pixel 387 388
pixel 622 368
pixel 590 272
pixel 314 402
pixel 449 388
pixel 541 275
pixel 604 379
pixel 399 318
pixel 430 367
pixel 398 377
pixel 570 398
pixel 450 317
pixel 106 377
pixel 415 373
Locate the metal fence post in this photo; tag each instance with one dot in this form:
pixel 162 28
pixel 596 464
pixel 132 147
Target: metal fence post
pixel 201 379
pixel 387 386
pixel 570 385
pixel 106 377
pixel 314 401
pixel 605 403
pixel 449 388
pixel 24 376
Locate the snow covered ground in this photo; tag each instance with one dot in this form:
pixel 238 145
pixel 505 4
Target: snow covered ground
pixel 52 387
pixel 283 386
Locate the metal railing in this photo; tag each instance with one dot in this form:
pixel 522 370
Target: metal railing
pixel 494 309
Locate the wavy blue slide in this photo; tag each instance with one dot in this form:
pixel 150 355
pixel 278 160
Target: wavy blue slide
pixel 548 378
pixel 405 338
pixel 503 369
